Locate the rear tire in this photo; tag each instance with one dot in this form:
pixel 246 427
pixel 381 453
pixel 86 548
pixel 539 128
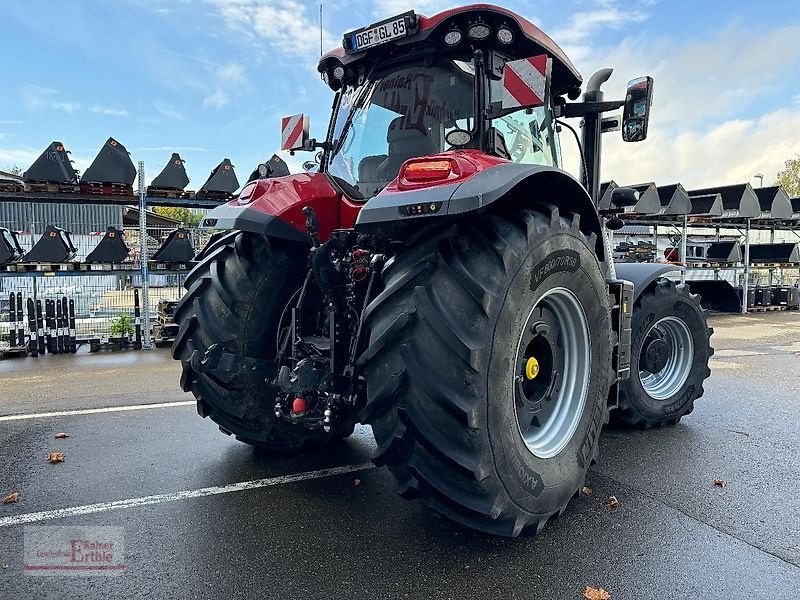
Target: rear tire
pixel 670 349
pixel 235 299
pixel 443 363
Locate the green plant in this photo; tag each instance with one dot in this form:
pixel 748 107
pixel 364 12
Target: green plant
pixel 122 325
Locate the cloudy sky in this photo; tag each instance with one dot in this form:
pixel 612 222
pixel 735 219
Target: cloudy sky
pixel 212 78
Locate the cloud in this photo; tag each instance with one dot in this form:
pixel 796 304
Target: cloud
pixel 168 111
pixel 172 149
pixel 388 8
pixel 111 112
pixel 607 15
pixel 218 99
pixel 284 24
pixel 68 107
pixel 9 122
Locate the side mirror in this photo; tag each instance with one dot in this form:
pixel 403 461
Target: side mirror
pixel 526 84
pixel 636 114
pixel 294 132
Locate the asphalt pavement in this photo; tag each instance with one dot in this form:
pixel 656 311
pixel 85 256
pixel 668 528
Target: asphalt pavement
pixel 205 516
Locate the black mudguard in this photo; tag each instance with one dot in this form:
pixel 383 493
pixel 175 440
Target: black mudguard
pixel 244 218
pixel 520 184
pixel 642 275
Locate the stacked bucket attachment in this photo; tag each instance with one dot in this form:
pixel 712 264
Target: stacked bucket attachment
pixel 724 252
pixel 111 173
pixel 55 246
pixel 177 248
pixel 274 167
pixel 777 254
pixel 774 203
pixel 10 250
pixel 111 249
pixel 172 181
pixel 738 201
pixel 52 172
pixel 221 184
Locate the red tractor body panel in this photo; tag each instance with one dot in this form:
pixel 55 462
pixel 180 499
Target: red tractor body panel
pixel 285 197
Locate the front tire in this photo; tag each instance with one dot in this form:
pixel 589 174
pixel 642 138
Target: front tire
pixel 235 298
pixel 670 349
pixel 452 334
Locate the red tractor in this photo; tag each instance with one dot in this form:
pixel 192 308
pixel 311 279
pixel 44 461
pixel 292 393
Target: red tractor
pixel 436 275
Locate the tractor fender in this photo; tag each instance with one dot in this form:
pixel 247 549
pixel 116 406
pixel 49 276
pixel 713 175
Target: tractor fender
pixel 244 218
pixel 517 185
pixel 642 275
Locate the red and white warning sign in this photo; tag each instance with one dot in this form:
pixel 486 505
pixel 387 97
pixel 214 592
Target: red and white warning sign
pixel 294 132
pixel 526 82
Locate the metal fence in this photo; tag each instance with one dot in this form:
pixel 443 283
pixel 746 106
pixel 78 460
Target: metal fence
pixel 101 295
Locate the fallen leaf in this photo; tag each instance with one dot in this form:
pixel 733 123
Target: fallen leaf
pixel 12 498
pixel 55 457
pixel 611 502
pixel 586 491
pixel 720 482
pixel 356 482
pixel 61 436
pixel 591 593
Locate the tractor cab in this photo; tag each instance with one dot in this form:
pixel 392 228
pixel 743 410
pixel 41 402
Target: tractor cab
pixel 413 86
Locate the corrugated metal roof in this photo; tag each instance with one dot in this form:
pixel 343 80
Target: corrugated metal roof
pixel 33 217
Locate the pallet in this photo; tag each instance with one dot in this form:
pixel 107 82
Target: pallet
pixel 770 308
pixel 41 267
pixel 170 266
pixel 14 351
pixel 10 186
pixel 94 188
pixel 169 193
pixel 712 265
pixel 53 188
pixel 775 265
pixel 220 196
pixel 106 267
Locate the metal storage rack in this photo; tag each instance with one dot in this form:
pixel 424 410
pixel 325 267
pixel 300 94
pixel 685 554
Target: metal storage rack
pixel 145 268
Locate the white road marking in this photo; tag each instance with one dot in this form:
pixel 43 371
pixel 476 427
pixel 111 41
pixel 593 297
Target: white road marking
pixel 91 411
pixel 87 509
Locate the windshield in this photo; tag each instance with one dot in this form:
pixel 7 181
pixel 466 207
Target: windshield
pixel 396 116
pixel 529 134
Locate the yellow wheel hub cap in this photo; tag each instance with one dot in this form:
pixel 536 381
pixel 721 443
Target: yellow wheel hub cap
pixel 531 368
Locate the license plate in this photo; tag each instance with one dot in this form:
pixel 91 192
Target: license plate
pixel 379 34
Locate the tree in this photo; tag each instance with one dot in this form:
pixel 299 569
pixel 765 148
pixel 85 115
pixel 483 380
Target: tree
pixel 789 178
pixel 187 217
pixel 15 170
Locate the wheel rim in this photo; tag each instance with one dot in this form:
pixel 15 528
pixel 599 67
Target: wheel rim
pixel 670 335
pixel 551 372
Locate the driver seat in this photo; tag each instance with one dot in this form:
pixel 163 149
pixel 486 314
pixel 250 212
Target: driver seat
pixel 403 144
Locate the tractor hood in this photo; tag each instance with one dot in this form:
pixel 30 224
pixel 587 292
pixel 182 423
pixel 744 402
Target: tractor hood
pixel 428 33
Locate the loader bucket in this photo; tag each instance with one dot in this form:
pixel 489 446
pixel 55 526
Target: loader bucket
pixel 52 166
pixel 275 167
pixel 10 250
pixel 54 246
pixel 724 252
pixel 221 183
pixel 738 201
pixel 717 295
pixel 111 249
pixel 112 165
pixel 774 253
pixel 649 202
pixel 674 200
pixel 176 248
pixel 774 203
pixel 706 205
pixel 173 176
